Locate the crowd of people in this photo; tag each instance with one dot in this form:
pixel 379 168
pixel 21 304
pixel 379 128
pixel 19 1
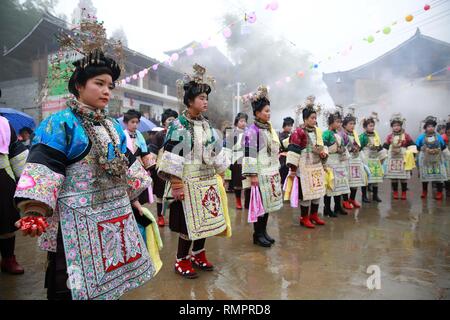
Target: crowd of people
pixel 83 184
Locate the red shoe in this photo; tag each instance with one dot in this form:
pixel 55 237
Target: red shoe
pixel 439 196
pixel 347 205
pixel 355 203
pixel 184 268
pixel 395 195
pixel 304 221
pixel 161 221
pixel 315 218
pixel 10 265
pixel 424 195
pixel 238 204
pixel 201 262
pixel 404 195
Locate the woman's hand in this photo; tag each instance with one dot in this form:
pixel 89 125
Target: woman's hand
pixel 33 226
pixel 254 180
pixel 178 194
pixel 137 205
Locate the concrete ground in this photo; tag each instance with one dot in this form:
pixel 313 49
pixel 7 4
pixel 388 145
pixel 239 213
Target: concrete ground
pixel 408 240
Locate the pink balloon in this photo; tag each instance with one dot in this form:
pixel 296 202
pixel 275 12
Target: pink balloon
pixel 128 79
pixel 189 51
pixel 227 32
pixel 205 44
pixel 175 57
pixel 123 82
pixel 141 74
pixel 155 67
pixel 274 5
pixel 288 79
pixel 145 71
pixel 135 76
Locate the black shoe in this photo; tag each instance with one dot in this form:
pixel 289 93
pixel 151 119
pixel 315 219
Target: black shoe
pixel 364 195
pixel 329 213
pixel 375 195
pixel 376 199
pixel 340 211
pixel 261 241
pixel 264 220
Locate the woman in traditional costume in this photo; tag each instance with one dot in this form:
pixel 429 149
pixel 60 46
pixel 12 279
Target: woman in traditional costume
pixel 336 141
pixel 83 179
pixel 433 152
pixel 156 149
pixel 373 155
pixel 356 173
pixel 400 161
pixel 192 167
pixel 306 157
pixel 288 124
pixel 240 124
pixel 261 165
pixel 446 137
pixel 137 145
pixel 13 155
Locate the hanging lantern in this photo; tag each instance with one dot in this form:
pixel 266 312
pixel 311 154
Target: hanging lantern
pixel 190 51
pixel 227 32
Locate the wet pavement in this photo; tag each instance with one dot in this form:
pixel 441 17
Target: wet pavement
pixel 408 240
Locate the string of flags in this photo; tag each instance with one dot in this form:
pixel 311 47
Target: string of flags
pixel 226 32
pixel 370 39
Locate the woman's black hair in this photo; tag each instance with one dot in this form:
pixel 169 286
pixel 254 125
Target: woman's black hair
pixel 93 65
pixel 348 118
pixel 240 116
pixel 259 104
pixel 193 90
pixel 367 122
pixel 429 123
pixel 308 112
pixel 398 121
pixel 131 114
pixel 447 126
pixel 334 117
pixel 288 122
pixel 168 113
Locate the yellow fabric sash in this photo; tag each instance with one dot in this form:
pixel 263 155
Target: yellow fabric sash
pixel 154 242
pixel 329 179
pixel 289 184
pixel 356 137
pixel 223 195
pixel 376 140
pixel 319 137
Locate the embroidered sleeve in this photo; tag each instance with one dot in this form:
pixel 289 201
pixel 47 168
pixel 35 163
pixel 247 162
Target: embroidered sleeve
pixel 172 161
pixel 18 154
pixel 442 142
pixel 138 180
pixel 364 140
pixel 328 138
pixel 297 142
pixel 45 170
pixel 409 141
pixel 388 142
pixel 419 141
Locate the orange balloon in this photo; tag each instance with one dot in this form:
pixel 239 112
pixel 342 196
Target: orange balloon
pixel 409 18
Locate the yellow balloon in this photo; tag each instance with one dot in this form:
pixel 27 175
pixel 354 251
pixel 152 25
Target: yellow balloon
pixel 409 18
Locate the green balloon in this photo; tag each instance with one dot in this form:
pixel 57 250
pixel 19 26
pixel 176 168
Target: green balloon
pixel 387 30
pixel 370 39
